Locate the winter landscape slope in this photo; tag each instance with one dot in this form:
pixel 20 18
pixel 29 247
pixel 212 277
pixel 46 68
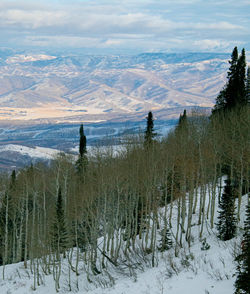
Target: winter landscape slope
pixel 194 271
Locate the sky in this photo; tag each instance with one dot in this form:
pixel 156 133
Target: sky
pixel 126 26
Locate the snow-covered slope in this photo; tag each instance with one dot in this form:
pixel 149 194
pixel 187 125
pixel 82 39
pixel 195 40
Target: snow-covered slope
pixel 193 271
pixel 36 152
pixel 13 156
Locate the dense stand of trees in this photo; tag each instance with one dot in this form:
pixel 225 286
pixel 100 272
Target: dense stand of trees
pixel 242 284
pixel 234 93
pixel 56 212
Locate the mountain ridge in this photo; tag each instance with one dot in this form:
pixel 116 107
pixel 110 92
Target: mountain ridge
pixel 40 86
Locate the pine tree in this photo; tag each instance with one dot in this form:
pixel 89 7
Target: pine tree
pixel 233 82
pixel 242 283
pixel 82 143
pixel 241 74
pixel 166 240
pixel 226 225
pixel 234 92
pixel 82 161
pixel 220 101
pixel 13 179
pixel 182 123
pixel 183 118
pixel 248 86
pixel 149 133
pixel 59 237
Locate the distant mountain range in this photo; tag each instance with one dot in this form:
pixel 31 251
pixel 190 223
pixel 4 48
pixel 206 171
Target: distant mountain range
pixel 44 97
pixel 50 88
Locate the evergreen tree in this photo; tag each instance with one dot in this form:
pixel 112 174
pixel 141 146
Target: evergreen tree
pixel 241 75
pixel 248 86
pixel 242 283
pixel 234 93
pixel 82 161
pixel 183 118
pixel 83 233
pixel 59 238
pixel 149 133
pixel 182 123
pixel 82 143
pixel 13 179
pixel 226 225
pixel 233 82
pixel 220 101
pixel 166 240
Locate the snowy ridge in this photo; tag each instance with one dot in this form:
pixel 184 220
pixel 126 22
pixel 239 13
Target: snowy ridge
pixel 193 271
pixel 28 58
pixel 36 152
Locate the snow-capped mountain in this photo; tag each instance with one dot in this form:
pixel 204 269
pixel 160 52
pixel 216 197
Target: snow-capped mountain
pixel 44 86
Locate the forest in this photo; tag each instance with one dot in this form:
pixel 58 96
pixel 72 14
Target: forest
pixel 54 213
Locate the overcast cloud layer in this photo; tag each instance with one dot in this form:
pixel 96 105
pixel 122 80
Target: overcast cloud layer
pixel 125 25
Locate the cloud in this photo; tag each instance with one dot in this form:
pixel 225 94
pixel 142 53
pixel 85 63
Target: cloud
pixel 118 24
pixel 92 23
pixel 61 41
pixel 213 45
pixel 31 19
